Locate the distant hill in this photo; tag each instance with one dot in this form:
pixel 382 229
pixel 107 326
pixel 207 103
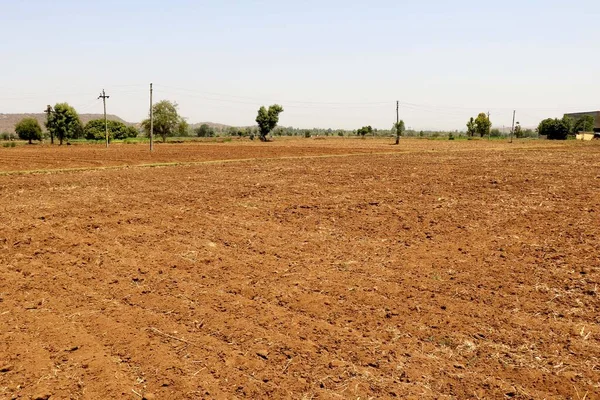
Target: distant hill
pixel 9 121
pixel 219 127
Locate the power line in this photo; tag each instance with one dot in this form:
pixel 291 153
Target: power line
pixel 286 103
pixel 264 99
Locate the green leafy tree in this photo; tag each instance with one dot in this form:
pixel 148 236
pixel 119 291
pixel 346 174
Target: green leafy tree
pixel 267 120
pixel 555 129
pixel 583 124
pixel 64 123
pixel 569 123
pixel 94 130
pixel 399 128
pixel 365 130
pixel 183 129
pixel 166 120
pixel 29 129
pixel 132 132
pixel 470 127
pixel 232 131
pixel 546 127
pixel 518 132
pixel 482 124
pixel 205 130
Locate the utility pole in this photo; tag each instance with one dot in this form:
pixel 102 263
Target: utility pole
pixel 397 122
pixel 151 122
pixel 513 126
pixel 103 96
pixel 48 110
pixel 490 128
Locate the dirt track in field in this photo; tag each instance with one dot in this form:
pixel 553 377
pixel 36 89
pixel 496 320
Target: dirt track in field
pixel 447 270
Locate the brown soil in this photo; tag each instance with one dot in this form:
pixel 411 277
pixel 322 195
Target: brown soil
pixel 441 270
pixel 44 157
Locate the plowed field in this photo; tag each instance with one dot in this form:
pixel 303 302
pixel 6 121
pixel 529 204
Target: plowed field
pixel 301 269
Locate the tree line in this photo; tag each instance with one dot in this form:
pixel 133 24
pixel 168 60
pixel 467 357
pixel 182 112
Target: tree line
pixel 561 129
pixel 552 128
pixel 63 123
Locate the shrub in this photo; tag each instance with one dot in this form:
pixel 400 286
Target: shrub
pixel 555 129
pixel 95 130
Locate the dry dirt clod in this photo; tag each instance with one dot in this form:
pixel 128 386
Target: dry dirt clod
pixel 149 396
pixel 264 354
pixel 42 396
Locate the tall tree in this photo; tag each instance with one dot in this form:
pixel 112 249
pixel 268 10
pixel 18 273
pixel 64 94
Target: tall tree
pixel 471 127
pixel 205 130
pixel 29 129
pixel 183 129
pixel 64 122
pixel 267 120
pixel 483 125
pixel 166 120
pixel 555 129
pixel 583 124
pixel 365 130
pixel 399 128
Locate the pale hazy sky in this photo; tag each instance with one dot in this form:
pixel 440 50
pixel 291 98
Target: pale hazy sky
pixel 338 64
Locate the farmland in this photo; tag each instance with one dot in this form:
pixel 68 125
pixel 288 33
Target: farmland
pixel 301 269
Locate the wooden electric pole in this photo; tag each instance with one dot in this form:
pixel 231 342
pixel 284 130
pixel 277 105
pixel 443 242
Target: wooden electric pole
pixel 490 127
pixel 103 96
pixel 151 122
pixel 513 126
pixel 397 122
pixel 48 111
